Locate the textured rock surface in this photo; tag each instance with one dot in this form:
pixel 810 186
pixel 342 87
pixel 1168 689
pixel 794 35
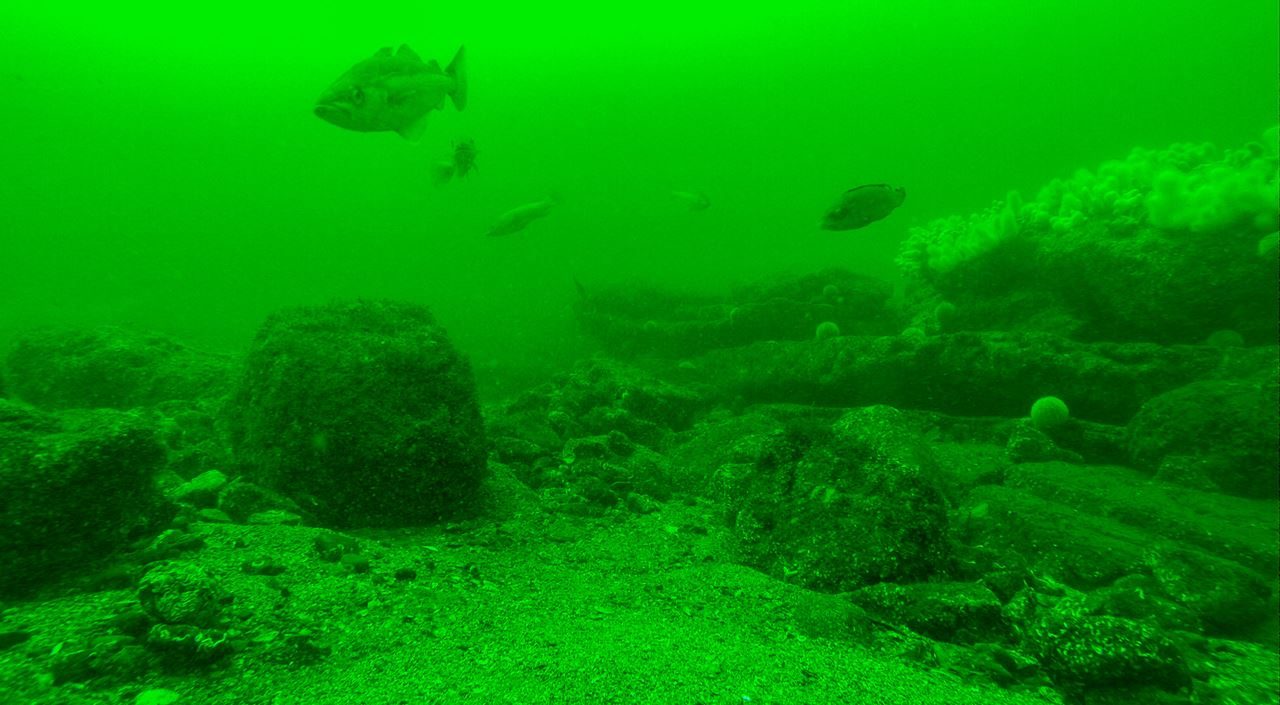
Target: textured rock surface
pixel 363 412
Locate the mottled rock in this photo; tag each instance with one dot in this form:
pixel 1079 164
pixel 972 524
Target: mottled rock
pixel 201 490
pixel 112 367
pixel 180 592
pixel 970 374
pixel 1230 428
pixel 962 613
pixel 75 489
pixel 837 507
pixel 365 409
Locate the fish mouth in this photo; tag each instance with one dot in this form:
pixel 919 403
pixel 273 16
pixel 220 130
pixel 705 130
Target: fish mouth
pixel 329 112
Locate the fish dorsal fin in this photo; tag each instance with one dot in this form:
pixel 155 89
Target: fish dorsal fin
pixel 406 53
pixel 434 66
pixel 382 53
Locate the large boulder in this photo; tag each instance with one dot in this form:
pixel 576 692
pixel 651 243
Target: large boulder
pixel 631 321
pixel 835 507
pixel 1221 434
pixel 970 374
pixel 73 489
pixel 112 367
pixel 1165 246
pixel 363 412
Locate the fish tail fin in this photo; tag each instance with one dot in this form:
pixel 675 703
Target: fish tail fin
pixel 458 71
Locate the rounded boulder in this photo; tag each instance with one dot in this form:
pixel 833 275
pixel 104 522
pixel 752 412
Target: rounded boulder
pixel 364 413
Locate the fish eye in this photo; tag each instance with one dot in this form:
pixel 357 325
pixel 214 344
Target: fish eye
pixel 357 95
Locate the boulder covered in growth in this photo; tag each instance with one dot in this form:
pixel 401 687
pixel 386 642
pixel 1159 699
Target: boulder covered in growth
pixel 73 489
pixel 1166 246
pixel 631 321
pixel 1213 434
pixel 836 507
pixel 970 374
pixel 362 412
pixel 112 367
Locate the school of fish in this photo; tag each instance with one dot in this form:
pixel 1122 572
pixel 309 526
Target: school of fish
pixel 395 91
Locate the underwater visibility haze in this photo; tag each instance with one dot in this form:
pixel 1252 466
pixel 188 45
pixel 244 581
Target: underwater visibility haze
pixel 516 353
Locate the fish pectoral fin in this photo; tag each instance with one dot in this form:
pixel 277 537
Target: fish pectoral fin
pixel 413 131
pixel 406 53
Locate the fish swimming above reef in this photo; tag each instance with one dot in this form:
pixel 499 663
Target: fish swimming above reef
pixel 518 218
pixel 862 206
pixel 458 165
pixel 693 200
pixel 393 92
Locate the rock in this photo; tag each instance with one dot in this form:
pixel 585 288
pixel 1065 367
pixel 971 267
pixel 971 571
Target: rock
pixel 630 322
pixel 75 488
pixel 1007 527
pixel 1227 598
pixel 969 374
pixel 961 613
pixel 1244 531
pixel 241 499
pixel 183 646
pixel 364 408
pixel 112 368
pixel 1015 528
pixel 201 490
pixel 1231 428
pixel 1099 654
pixel 1161 246
pixel 1029 444
pixel 104 660
pixel 180 592
pixel 837 507
pixel 596 398
pixel 214 516
pixel 189 430
pixel 274 517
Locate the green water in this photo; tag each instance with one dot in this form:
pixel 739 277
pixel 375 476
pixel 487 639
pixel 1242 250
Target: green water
pixel 162 167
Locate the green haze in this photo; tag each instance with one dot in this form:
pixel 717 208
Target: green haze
pixel 162 168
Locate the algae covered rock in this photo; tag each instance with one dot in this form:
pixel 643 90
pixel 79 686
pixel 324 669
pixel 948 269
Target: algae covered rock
pixel 75 488
pixel 363 412
pixel 113 368
pixel 1228 429
pixel 837 507
pixel 1161 246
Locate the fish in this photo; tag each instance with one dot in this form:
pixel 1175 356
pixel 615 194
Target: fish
pixel 458 165
pixel 393 92
pixel 693 200
pixel 861 206
pixel 518 218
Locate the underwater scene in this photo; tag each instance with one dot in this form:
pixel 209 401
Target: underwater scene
pixel 670 353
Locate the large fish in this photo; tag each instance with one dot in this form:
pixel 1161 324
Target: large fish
pixel 862 206
pixel 393 92
pixel 518 218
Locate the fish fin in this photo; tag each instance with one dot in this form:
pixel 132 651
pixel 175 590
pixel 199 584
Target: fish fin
pixel 444 172
pixel 413 131
pixel 406 53
pixel 458 72
pixel 433 66
pixel 382 53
